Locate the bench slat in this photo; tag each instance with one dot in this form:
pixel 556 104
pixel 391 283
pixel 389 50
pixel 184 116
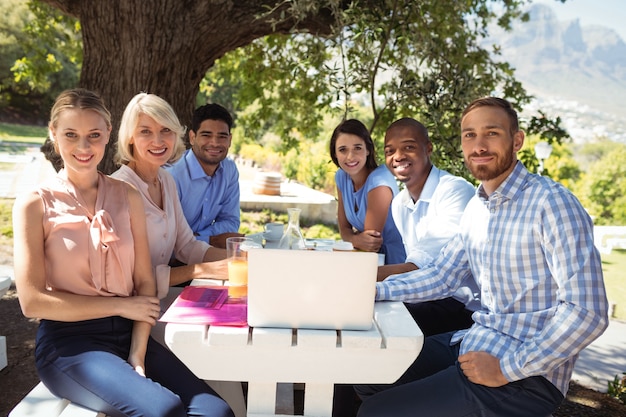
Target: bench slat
pixel 41 402
pixel 74 410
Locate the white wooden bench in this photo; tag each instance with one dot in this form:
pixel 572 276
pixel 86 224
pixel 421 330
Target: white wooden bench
pixel 41 402
pixel 5 284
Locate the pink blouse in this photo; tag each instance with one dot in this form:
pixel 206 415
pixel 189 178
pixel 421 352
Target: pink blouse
pixel 168 231
pixel 87 253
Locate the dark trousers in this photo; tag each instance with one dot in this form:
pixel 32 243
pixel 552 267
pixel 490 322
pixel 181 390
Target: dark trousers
pixel 86 362
pixel 432 317
pixel 435 386
pixel 440 316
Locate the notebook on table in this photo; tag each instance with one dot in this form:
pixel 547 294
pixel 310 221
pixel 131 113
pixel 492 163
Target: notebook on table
pixel 311 289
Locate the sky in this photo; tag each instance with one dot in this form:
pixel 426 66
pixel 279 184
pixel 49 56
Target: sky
pixel 609 13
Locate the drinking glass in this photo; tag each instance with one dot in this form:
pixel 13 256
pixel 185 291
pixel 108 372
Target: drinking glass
pixel 237 255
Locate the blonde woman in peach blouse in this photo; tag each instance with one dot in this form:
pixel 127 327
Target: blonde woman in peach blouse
pixel 82 266
pixel 150 136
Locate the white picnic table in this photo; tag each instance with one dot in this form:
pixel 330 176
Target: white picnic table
pixel 318 358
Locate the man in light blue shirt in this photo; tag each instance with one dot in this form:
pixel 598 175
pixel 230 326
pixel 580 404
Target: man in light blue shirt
pixel 427 213
pixel 208 181
pixel 528 243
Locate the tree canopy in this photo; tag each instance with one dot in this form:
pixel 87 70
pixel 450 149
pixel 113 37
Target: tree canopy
pixel 602 189
pixel 293 60
pixel 166 46
pixel 35 46
pixel 420 59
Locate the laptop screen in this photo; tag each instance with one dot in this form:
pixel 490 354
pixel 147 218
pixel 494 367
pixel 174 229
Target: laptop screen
pixel 311 289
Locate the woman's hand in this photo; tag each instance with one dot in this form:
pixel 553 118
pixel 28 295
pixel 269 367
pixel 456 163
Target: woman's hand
pixel 137 364
pixel 211 270
pixel 216 269
pixel 141 308
pixel 368 240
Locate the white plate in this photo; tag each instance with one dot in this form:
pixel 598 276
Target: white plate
pixel 319 244
pixel 271 239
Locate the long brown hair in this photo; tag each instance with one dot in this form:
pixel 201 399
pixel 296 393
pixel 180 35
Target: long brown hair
pixel 354 127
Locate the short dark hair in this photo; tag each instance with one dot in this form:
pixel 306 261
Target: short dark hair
pixel 211 111
pixel 413 124
pixel 354 127
pixel 495 102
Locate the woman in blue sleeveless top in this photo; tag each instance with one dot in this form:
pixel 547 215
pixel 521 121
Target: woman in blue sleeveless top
pixel 364 191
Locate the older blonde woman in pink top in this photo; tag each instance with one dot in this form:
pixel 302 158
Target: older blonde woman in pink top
pixel 83 267
pixel 150 136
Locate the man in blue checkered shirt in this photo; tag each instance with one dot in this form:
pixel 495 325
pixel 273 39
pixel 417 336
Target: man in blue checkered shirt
pixel 528 243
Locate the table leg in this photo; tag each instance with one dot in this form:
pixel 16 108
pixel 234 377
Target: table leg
pixel 3 352
pixel 261 398
pixel 232 393
pixel 318 400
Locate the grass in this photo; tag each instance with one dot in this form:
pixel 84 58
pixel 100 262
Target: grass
pixel 6 226
pixel 15 139
pixel 613 266
pixel 11 132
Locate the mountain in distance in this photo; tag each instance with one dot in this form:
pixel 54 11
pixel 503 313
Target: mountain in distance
pixel 575 72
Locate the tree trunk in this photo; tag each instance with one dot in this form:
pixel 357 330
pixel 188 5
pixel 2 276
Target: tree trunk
pixel 165 47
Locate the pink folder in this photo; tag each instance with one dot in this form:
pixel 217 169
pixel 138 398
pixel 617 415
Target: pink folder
pixel 206 305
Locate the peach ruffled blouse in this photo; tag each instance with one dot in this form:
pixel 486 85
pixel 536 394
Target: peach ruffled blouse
pixel 87 253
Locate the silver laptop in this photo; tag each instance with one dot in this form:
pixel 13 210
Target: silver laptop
pixel 311 289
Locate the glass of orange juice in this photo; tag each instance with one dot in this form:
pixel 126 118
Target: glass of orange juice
pixel 237 255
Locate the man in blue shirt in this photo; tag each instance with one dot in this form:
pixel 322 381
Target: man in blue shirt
pixel 528 243
pixel 208 181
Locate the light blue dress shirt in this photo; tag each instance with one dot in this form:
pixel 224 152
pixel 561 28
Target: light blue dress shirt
pixel 210 203
pixel 529 245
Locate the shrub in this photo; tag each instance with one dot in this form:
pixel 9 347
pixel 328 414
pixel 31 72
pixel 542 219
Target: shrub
pixel 617 388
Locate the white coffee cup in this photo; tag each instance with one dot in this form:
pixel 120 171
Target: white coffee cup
pixel 343 245
pixel 274 231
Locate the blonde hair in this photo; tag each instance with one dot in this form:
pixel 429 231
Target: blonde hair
pixel 77 98
pixel 160 110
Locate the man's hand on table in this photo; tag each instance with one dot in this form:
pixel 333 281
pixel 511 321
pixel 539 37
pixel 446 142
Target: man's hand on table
pixel 219 241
